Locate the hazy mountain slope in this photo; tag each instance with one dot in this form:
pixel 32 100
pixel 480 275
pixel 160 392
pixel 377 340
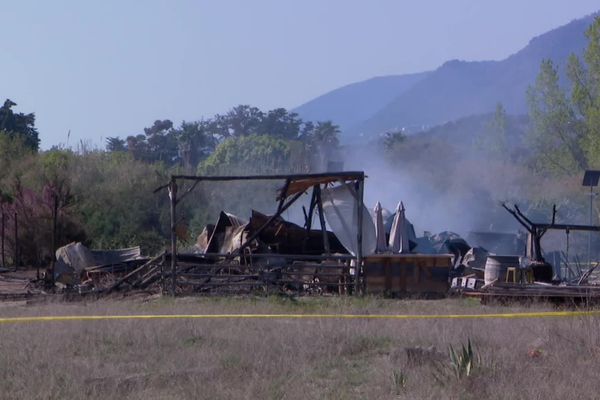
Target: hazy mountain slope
pixel 357 102
pixel 461 88
pixel 471 131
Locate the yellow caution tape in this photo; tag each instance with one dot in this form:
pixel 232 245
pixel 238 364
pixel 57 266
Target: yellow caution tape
pixel 547 314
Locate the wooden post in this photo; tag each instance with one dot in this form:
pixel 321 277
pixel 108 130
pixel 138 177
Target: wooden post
pixel 54 234
pixel 283 195
pixel 359 238
pixel 3 254
pixel 16 255
pixel 173 197
pixel 308 217
pixel 163 264
pixel 311 208
pixel 319 200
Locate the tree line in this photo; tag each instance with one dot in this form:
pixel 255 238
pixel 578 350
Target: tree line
pixel 190 143
pixel 104 197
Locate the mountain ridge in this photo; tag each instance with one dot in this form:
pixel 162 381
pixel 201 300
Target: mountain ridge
pixel 355 102
pixel 455 89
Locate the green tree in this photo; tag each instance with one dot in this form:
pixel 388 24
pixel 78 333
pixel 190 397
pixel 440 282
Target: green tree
pixel 57 194
pixel 254 154
pixel 192 142
pixel 498 129
pixel 19 125
pixel 161 143
pixel 195 142
pixel 242 120
pixel 555 135
pixel 325 134
pixel 12 151
pixel 246 155
pixel 115 144
pixel 115 202
pixel 322 141
pixel 566 129
pixel 157 144
pixel 585 94
pixel 494 140
pixel 281 123
pixel 138 147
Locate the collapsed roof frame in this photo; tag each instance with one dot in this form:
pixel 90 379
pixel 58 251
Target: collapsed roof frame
pixel 294 186
pixel 538 230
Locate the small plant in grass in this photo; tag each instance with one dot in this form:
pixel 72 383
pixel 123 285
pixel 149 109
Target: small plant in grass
pixel 463 361
pixel 398 381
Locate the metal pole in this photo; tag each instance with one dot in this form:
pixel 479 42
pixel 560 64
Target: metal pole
pixel 173 196
pixel 359 213
pixel 591 223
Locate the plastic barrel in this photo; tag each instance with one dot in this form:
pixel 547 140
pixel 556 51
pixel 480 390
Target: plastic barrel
pixel 496 267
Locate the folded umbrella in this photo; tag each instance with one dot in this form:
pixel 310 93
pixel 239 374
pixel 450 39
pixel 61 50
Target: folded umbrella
pixel 379 229
pixel 399 233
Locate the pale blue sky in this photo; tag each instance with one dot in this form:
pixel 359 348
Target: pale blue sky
pixel 110 68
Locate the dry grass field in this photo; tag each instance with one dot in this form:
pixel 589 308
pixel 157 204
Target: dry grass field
pixel 550 358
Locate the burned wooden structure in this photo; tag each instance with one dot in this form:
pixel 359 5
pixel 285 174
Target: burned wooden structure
pixel 283 269
pixel 533 279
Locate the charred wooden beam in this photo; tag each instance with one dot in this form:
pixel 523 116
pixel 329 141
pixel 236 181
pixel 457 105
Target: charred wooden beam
pixel 193 257
pixel 349 174
pixel 16 255
pixel 311 208
pixel 319 201
pixel 2 234
pixel 282 207
pixel 359 235
pixel 173 198
pixel 282 198
pixel 134 272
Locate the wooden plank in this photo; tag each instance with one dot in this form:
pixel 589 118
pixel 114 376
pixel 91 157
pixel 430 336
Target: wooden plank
pixel 132 273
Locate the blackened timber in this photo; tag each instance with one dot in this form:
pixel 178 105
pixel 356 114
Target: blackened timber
pixel 535 232
pixel 16 256
pixel 282 207
pixel 319 201
pixel 258 282
pixel 194 257
pixel 173 198
pixel 311 209
pixel 222 266
pixel 358 175
pixel 349 175
pixel 282 198
pixel 3 254
pixel 359 235
pixel 564 227
pixel 135 271
pixel 54 232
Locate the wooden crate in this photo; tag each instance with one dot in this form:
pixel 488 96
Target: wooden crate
pixel 412 274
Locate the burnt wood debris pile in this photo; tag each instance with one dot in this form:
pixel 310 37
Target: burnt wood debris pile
pixel 341 248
